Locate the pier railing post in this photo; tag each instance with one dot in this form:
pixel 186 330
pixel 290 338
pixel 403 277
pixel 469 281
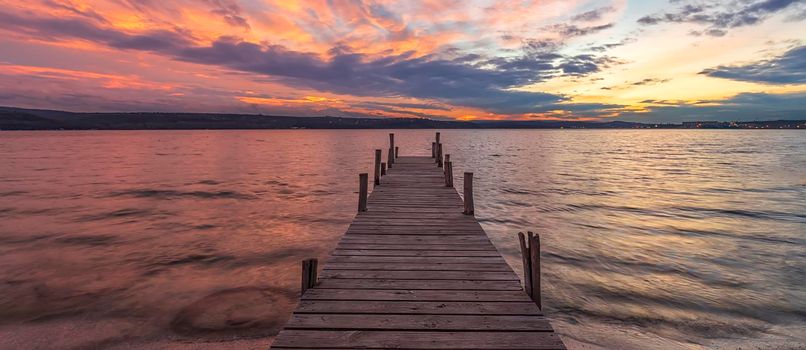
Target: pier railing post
pixel 377 167
pixel 433 149
pixel 439 155
pixel 363 180
pixel 383 169
pixel 469 210
pixel 391 150
pixel 530 252
pixel 445 168
pixel 309 272
pixel 436 155
pixel 396 152
pixel 534 259
pixel 448 174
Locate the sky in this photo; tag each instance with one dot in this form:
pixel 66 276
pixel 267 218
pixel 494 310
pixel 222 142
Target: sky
pixel 648 61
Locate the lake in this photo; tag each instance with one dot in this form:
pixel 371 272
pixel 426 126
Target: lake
pixel 652 239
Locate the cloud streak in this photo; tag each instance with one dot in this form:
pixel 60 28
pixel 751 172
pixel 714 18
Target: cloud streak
pixel 789 68
pixel 718 17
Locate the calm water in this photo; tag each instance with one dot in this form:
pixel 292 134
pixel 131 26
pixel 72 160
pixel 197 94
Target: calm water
pixel 192 239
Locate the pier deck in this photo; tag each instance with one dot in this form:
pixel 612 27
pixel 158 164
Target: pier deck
pixel 414 272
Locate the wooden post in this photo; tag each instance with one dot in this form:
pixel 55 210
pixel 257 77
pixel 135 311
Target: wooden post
pixel 445 168
pixel 448 174
pixel 433 149
pixel 534 260
pixel 436 149
pixel 309 272
pixel 439 155
pixel 527 266
pixel 383 168
pixel 396 152
pixel 391 149
pixel 390 158
pixel 530 252
pixel 469 210
pixel 377 167
pixel 363 180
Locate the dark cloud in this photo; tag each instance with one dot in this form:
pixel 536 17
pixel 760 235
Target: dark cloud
pixel 72 28
pixel 229 11
pixel 430 106
pixel 742 107
pixel 719 16
pixel 642 82
pixel 789 68
pixel 72 8
pixel 457 83
pixel 581 65
pixel 593 15
pixel 570 30
pixel 649 81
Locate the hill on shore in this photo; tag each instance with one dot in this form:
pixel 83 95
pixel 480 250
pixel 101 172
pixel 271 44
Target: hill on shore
pixel 12 118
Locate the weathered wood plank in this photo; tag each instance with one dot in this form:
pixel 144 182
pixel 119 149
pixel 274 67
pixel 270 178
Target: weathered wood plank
pixel 418 307
pixel 418 340
pixel 416 253
pixel 419 322
pixel 456 246
pixel 394 284
pixel 416 267
pixel 418 259
pixel 413 295
pixel 423 275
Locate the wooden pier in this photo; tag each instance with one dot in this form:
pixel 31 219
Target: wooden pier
pixel 415 270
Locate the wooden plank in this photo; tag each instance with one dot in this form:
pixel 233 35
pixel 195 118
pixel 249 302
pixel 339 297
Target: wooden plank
pixel 419 259
pixel 423 275
pixel 457 246
pixel 373 238
pixel 429 253
pixel 416 267
pixel 394 284
pixel 417 340
pixel 419 322
pixel 418 307
pixel 413 295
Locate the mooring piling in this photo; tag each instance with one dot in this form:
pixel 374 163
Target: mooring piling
pixel 309 271
pixel 363 185
pixel 391 157
pixel 448 174
pixel 377 167
pixel 468 194
pixel 530 252
pixel 439 155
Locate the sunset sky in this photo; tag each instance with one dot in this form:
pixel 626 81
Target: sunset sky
pixel 653 61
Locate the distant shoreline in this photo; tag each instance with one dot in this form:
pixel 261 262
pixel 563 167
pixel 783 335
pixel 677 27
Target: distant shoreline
pixel 20 119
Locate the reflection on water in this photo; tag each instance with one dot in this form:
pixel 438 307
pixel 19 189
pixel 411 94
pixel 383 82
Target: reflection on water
pixel 167 239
